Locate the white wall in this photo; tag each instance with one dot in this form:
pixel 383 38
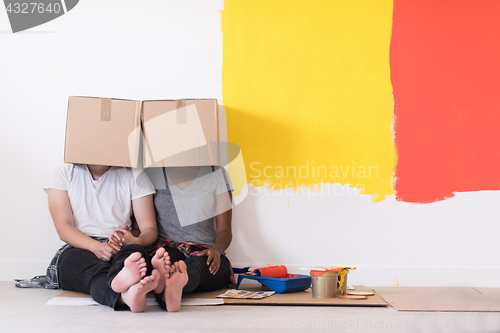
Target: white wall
pixel 114 48
pixel 173 49
pixel 447 243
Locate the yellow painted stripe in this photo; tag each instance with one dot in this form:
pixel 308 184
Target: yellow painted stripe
pixel 307 91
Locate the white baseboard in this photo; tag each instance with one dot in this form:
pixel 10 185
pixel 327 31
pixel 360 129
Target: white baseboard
pixel 21 269
pixel 486 277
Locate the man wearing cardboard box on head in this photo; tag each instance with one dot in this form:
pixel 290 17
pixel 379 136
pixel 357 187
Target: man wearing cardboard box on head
pixel 87 203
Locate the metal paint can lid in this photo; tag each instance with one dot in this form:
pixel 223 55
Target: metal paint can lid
pixel 353 296
pixel 325 272
pixel 361 293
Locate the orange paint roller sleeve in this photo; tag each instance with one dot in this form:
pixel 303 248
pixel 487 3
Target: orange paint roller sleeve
pixel 272 271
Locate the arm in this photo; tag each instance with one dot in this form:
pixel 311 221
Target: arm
pixel 223 221
pixel 134 229
pixel 145 216
pixel 62 215
pixel 144 212
pixel 224 233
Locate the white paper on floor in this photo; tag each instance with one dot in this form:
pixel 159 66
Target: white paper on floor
pixel 202 301
pixel 86 301
pixel 71 301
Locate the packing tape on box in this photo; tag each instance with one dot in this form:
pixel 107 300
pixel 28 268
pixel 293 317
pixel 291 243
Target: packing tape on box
pixel 105 109
pixel 181 112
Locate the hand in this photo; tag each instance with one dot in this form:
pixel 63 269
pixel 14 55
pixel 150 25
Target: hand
pixel 213 260
pixel 115 240
pixel 123 236
pixel 105 251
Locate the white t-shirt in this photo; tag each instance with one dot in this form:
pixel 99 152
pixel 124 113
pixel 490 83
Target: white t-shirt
pixel 99 206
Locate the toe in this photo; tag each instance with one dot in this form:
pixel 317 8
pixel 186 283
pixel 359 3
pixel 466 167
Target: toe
pixel 182 266
pixel 134 257
pixel 160 252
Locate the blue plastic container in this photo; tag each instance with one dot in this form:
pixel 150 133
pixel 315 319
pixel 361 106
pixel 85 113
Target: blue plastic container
pixel 293 282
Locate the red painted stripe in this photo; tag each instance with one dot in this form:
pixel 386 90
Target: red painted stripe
pixel 445 72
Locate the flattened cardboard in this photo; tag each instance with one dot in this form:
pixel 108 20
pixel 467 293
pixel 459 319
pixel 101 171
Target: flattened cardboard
pixel 74 294
pixel 180 133
pixel 492 297
pixel 103 131
pixel 295 298
pixel 490 292
pixel 441 298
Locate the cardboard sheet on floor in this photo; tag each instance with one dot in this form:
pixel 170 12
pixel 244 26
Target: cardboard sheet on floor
pixel 75 298
pixel 295 298
pixel 441 298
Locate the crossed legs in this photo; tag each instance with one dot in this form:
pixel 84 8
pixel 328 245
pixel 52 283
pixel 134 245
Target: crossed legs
pixel 132 283
pixel 185 276
pixel 124 281
pixel 120 283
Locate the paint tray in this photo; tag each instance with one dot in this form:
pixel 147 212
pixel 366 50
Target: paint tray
pixel 243 270
pixel 292 282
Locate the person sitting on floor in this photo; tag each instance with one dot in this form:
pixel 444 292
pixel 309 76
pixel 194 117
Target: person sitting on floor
pixel 87 203
pixel 194 208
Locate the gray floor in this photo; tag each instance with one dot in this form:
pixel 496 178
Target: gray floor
pixel 25 310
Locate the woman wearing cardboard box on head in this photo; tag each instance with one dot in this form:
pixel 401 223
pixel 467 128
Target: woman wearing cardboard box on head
pixel 193 207
pixel 87 203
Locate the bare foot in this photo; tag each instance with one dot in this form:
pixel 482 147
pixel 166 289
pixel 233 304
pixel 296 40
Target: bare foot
pixel 161 262
pixel 174 284
pixel 135 296
pixel 133 271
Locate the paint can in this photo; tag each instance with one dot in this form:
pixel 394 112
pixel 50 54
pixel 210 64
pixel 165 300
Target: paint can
pixel 342 281
pixel 324 282
pixel 342 284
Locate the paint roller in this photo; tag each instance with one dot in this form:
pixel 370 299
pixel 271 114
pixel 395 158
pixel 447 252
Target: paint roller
pixel 271 271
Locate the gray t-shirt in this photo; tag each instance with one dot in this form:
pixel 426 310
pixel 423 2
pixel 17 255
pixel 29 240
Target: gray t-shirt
pixel 188 215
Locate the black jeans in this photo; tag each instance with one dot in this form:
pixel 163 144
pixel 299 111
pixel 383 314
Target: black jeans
pixel 200 278
pixel 80 270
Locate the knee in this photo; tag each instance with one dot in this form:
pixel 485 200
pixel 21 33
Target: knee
pixel 199 262
pixel 134 248
pixel 175 255
pixel 75 254
pixel 224 268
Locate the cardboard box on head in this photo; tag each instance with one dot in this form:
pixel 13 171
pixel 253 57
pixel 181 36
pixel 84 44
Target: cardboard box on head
pixel 103 131
pixel 108 131
pixel 181 132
